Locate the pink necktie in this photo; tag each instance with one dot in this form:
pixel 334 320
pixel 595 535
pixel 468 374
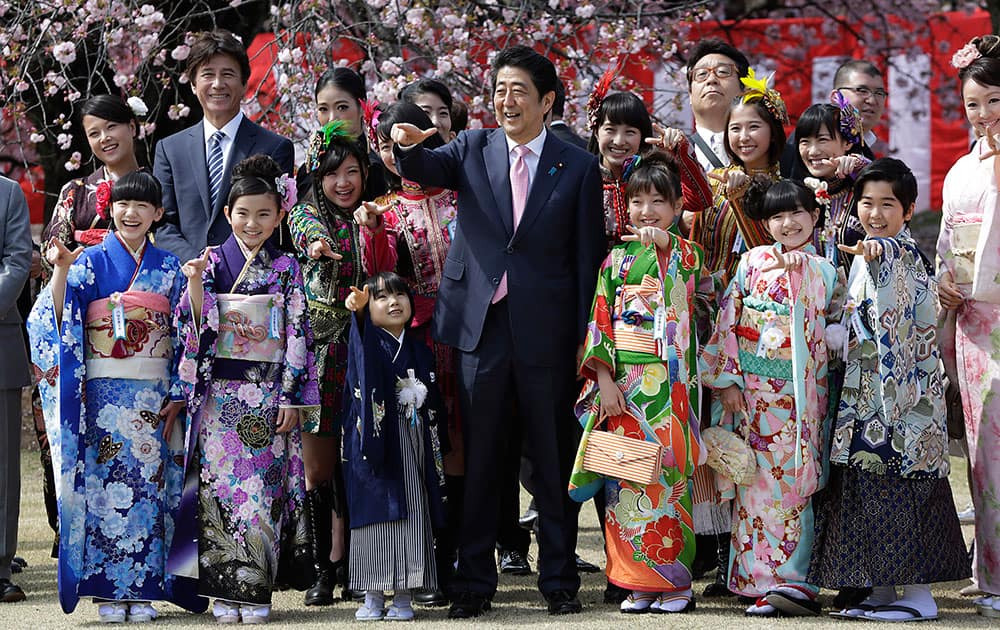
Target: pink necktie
pixel 520 182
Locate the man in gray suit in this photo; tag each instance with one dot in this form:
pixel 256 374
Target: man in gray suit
pixel 15 261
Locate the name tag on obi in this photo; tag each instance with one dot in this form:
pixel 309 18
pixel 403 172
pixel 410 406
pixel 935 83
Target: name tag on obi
pixel 118 320
pixel 274 328
pixel 738 244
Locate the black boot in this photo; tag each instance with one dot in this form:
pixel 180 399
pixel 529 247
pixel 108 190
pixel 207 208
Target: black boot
pixel 719 588
pixel 321 524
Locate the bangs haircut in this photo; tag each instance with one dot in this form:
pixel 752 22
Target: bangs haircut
pixel 338 151
pixel 207 44
pixel 777 144
pixel 255 175
pixel 896 173
pixel 786 195
pixel 816 119
pixel 138 186
pixel 386 282
pixel 657 172
pixel 404 112
pixel 622 108
pixel 107 107
pixel 427 86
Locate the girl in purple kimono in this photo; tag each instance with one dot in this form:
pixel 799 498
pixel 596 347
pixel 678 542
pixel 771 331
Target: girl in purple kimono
pixel 249 374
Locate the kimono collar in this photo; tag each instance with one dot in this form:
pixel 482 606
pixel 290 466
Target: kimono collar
pixel 135 253
pixel 807 247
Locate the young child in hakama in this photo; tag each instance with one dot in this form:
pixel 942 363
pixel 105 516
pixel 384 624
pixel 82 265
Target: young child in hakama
pixel 767 360
pixel 104 334
pixel 640 362
pixel 887 519
pixel 395 432
pixel 250 374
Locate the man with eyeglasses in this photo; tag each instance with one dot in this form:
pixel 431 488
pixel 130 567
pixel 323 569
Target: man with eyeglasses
pixel 862 85
pixel 714 69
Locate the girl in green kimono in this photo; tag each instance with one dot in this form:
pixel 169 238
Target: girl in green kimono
pixel 641 366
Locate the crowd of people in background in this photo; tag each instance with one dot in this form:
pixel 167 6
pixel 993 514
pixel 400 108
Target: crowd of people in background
pixel 251 375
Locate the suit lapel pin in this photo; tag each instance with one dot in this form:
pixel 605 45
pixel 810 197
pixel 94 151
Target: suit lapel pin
pixel 552 171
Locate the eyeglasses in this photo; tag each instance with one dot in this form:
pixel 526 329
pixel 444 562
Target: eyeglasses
pixel 721 71
pixel 864 92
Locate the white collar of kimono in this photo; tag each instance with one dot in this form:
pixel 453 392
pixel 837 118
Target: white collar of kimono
pixel 248 253
pixel 399 339
pixel 135 253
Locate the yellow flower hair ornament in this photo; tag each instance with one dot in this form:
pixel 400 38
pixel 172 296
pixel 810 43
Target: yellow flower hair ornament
pixel 771 98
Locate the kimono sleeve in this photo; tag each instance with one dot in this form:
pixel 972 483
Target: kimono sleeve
pixel 720 364
pixel 694 185
pixel 177 289
pixel 378 246
pixel 599 345
pixel 306 227
pixel 197 337
pixel 299 386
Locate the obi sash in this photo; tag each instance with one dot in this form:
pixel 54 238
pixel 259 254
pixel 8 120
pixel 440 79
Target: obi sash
pixel 765 346
pixel 251 328
pixel 145 350
pixel 635 305
pixel 964 241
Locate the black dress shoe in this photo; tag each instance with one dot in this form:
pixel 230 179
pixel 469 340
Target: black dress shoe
pixel 430 597
pixel 514 563
pixel 468 605
pixel 585 567
pixel 563 603
pixel 9 592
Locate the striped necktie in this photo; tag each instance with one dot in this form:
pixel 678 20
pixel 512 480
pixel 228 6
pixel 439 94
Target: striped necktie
pixel 216 160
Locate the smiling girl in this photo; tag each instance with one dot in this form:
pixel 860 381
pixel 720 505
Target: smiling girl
pixel 82 213
pixel 968 263
pixel 642 380
pixel 106 340
pixel 767 361
pixel 329 245
pixel 249 373
pixel 621 129
pixel 829 137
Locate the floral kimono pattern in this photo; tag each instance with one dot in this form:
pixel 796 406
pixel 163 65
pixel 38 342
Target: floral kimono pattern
pixel 75 220
pixel 247 357
pixel 648 528
pixel 770 342
pixel 327 285
pixel 969 248
pixel 106 374
pixel 413 241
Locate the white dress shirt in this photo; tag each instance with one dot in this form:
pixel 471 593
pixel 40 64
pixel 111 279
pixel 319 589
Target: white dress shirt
pixel 536 145
pixel 230 129
pixel 714 140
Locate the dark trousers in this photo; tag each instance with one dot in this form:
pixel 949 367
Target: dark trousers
pixel 490 377
pixel 10 475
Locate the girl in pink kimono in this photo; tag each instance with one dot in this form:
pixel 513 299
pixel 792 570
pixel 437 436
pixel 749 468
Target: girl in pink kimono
pixel 968 268
pixel 767 361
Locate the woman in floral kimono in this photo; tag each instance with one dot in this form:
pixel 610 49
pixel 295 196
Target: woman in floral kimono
pixel 968 264
pixel 249 374
pixel 329 245
pixel 640 362
pixel 104 335
pixel 768 362
pixel 888 519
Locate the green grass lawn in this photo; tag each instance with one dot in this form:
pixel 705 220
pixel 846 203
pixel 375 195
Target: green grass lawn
pixel 517 602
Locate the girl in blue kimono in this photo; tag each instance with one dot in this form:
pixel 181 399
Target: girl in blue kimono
pixel 393 467
pixel 105 338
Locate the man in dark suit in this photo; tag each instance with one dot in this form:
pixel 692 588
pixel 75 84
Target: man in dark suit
pixel 555 121
pixel 15 260
pixel 514 300
pixel 194 165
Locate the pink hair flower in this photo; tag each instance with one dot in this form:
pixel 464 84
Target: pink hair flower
pixel 965 56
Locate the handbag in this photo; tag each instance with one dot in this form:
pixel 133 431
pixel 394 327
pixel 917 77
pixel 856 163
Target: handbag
pixel 622 457
pixel 729 455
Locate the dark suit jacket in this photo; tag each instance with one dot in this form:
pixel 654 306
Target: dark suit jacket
pixel 564 133
pixel 15 261
pixel 551 261
pixel 189 224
